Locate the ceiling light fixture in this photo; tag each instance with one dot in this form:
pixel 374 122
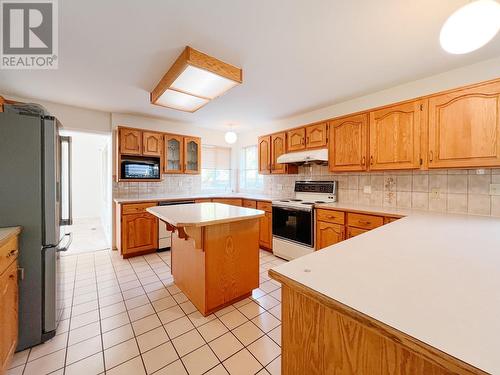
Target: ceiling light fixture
pixel 470 27
pixel 194 80
pixel 230 136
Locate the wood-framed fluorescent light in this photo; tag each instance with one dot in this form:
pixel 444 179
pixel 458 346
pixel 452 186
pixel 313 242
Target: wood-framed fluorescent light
pixel 194 80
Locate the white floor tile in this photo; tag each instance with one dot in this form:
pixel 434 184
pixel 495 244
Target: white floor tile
pixel 151 339
pixel 159 357
pixel 92 365
pixel 233 319
pixel 225 346
pixel 83 349
pixel 188 342
pixel 266 322
pixel 146 324
pixel 212 330
pixel 117 336
pixel 265 350
pixel 200 361
pixel 242 363
pixel 178 327
pixel 120 353
pixel 46 364
pixel 248 333
pixel 131 367
pixel 175 368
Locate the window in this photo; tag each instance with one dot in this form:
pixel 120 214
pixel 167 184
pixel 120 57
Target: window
pixel 215 168
pixel 250 179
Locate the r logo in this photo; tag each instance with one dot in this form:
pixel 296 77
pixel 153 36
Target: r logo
pixel 27 28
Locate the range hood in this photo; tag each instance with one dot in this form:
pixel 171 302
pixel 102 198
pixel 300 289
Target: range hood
pixel 304 157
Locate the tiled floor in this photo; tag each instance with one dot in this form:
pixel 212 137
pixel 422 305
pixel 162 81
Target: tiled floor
pixel 127 317
pixel 88 235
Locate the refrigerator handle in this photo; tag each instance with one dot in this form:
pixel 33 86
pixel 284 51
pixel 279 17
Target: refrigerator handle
pixel 68 244
pixel 66 160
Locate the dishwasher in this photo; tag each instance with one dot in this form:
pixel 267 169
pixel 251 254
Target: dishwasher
pixel 164 236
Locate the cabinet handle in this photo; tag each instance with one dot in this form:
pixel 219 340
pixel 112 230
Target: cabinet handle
pixel 364 222
pixel 363 160
pixel 12 253
pixel 11 276
pixel 431 156
pixel 302 141
pixel 371 160
pixel 307 140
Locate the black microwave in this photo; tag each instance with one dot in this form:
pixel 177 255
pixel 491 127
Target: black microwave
pixel 140 169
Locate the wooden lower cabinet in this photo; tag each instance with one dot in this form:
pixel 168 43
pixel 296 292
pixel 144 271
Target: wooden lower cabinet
pixel 9 297
pixel 266 232
pixel 322 336
pixel 249 203
pixel 139 231
pixel 328 234
pixel 333 226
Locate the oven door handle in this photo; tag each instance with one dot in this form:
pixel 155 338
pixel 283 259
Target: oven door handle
pixel 305 209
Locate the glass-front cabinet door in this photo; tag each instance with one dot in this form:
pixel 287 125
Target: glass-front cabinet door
pixel 192 148
pixel 173 153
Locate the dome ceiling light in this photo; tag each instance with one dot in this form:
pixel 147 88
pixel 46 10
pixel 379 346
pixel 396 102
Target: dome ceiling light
pixel 230 136
pixel 470 27
pixel 194 80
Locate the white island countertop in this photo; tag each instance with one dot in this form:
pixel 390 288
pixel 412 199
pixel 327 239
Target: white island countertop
pixel 7 232
pixel 203 214
pixel 435 277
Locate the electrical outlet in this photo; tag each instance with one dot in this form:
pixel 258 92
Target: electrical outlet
pixel 367 189
pixel 480 171
pixel 494 189
pixel 434 193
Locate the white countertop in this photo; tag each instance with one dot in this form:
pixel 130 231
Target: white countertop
pixel 7 232
pixel 435 277
pixel 356 207
pixel 163 197
pixel 203 214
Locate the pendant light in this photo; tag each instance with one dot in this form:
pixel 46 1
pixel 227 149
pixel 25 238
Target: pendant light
pixel 470 27
pixel 230 136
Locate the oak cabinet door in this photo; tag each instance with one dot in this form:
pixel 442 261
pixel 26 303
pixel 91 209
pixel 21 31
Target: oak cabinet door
pixel 192 152
pixel 265 231
pixel 296 139
pixel 174 155
pixel 328 234
pixel 278 148
pixel 139 233
pixel 317 135
pixel 348 144
pixel 130 141
pixel 229 201
pixel 395 136
pixel 8 314
pixel 265 154
pixel 464 128
pixel 152 144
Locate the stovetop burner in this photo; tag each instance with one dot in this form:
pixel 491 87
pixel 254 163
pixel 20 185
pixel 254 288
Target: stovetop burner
pixel 284 200
pixel 319 202
pixel 295 200
pixel 308 203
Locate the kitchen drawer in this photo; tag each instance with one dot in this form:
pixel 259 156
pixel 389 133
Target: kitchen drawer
pixel 330 216
pixel 353 232
pixel 264 206
pixel 364 221
pixel 249 203
pixel 230 201
pixel 136 208
pixel 8 253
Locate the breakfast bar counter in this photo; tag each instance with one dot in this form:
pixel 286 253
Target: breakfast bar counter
pixel 215 251
pixel 416 296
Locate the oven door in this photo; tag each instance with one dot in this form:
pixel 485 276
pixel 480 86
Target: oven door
pixel 293 225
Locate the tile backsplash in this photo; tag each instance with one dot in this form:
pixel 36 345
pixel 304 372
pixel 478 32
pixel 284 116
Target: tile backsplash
pixel 446 190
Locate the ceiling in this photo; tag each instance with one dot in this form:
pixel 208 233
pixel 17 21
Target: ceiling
pixel 296 55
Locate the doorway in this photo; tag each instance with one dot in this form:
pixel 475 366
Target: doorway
pixel 91 191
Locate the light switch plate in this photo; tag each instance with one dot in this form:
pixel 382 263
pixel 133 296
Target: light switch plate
pixel 494 189
pixel 367 189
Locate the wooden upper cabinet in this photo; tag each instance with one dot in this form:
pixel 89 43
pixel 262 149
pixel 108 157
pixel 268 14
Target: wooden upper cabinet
pixel 464 128
pixel 317 135
pixel 395 136
pixel 264 154
pixel 130 141
pixel 192 155
pixel 348 144
pixel 174 155
pixel 152 144
pixel 296 139
pixel 278 147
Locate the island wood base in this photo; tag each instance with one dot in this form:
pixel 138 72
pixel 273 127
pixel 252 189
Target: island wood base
pixel 216 265
pixel 323 336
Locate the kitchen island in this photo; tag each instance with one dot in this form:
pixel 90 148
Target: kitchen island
pixel 215 251
pixel 416 296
